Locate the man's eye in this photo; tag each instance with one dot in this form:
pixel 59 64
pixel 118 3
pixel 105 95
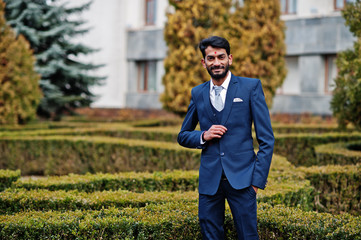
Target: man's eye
pixel 221 57
pixel 210 58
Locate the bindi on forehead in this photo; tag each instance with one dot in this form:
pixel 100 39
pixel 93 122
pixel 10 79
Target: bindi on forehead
pixel 215 52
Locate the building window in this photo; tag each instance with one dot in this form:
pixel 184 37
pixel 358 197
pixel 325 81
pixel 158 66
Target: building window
pixel 340 4
pixel 330 73
pixel 150 12
pixel 147 73
pixel 292 84
pixel 289 6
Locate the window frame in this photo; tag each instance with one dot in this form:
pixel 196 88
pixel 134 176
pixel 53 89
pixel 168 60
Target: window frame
pixel 343 6
pixel 143 76
pixel 287 10
pixel 328 58
pixel 150 12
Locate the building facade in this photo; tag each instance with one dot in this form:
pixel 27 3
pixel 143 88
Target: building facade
pixel 129 35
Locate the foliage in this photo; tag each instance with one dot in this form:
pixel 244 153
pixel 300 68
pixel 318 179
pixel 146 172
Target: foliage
pixel 256 34
pixel 16 200
pixel 340 153
pixel 164 221
pixel 345 103
pixel 7 177
pixel 59 155
pixel 112 147
pixel 175 180
pixel 337 188
pixel 254 31
pixel 299 149
pixel 50 28
pixel 190 22
pixel 92 206
pixel 19 91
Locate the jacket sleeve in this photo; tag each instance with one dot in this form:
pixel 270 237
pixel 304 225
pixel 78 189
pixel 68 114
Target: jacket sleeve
pixel 264 134
pixel 188 136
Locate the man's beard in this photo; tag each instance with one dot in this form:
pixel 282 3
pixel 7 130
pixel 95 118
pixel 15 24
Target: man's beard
pixel 218 76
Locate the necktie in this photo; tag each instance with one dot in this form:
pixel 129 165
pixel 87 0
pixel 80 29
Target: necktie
pixel 218 103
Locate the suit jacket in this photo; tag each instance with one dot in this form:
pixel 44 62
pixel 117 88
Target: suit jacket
pixel 234 152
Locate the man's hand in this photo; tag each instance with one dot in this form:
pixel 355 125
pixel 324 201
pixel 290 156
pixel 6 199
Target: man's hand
pixel 215 131
pixel 255 188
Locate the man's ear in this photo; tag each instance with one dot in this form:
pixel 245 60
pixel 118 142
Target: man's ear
pixel 204 63
pixel 230 58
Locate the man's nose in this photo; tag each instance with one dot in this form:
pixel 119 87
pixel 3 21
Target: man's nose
pixel 217 62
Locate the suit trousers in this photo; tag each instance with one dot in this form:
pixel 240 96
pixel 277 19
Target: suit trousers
pixel 243 204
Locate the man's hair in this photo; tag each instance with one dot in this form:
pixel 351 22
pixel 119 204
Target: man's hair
pixel 216 42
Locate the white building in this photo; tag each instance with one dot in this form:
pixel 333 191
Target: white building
pixel 129 35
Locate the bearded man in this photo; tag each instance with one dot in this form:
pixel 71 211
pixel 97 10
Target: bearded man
pixel 225 108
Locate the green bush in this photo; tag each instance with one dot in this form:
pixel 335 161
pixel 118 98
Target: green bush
pixel 280 222
pixel 299 149
pixel 165 221
pixel 307 128
pixel 7 177
pixel 19 82
pixel 145 210
pixel 337 188
pixel 338 153
pixel 60 155
pixel 131 181
pixel 346 96
pixel 16 200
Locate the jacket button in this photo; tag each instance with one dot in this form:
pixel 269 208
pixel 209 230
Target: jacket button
pixel 222 154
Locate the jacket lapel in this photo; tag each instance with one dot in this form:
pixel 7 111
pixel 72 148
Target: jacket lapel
pixel 231 92
pixel 207 102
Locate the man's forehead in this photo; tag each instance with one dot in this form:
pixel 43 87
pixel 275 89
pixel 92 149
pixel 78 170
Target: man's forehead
pixel 215 51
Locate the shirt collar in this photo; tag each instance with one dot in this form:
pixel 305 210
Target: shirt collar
pixel 225 83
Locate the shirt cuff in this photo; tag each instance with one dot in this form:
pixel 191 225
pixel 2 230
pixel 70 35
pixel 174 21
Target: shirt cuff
pixel 202 141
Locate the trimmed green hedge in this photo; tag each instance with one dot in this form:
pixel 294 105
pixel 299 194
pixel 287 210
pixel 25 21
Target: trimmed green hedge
pixel 280 222
pixel 170 220
pixel 299 149
pixel 337 188
pixel 60 155
pixel 131 181
pixel 307 128
pixel 163 215
pixel 338 153
pixel 126 131
pixel 285 184
pixel 7 177
pixel 16 200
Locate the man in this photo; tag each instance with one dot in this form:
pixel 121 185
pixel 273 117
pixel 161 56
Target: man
pixel 225 108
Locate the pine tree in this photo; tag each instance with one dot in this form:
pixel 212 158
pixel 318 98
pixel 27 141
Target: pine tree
pixel 346 99
pixel 48 26
pixel 19 83
pixel 191 21
pixel 256 35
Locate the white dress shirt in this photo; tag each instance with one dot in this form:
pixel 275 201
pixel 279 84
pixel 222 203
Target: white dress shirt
pixel 212 93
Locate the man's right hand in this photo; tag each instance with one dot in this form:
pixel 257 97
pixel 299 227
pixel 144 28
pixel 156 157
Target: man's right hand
pixel 215 131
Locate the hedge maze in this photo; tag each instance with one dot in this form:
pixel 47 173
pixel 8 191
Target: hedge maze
pixel 94 180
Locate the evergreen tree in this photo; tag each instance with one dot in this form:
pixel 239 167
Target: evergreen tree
pixel 19 83
pixel 49 27
pixel 191 21
pixel 346 99
pixel 256 34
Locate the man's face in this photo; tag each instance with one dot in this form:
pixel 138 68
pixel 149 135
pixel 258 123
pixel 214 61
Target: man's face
pixel 217 62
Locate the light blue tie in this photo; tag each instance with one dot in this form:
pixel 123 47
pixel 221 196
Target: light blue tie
pixel 218 103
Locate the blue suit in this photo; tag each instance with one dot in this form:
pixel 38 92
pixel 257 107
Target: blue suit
pixel 232 155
